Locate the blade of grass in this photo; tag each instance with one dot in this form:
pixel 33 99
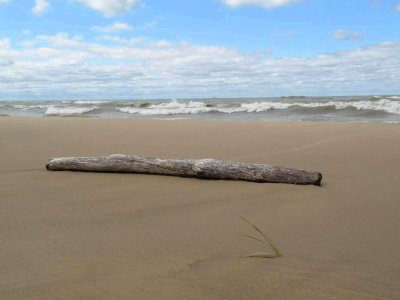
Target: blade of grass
pixel 259 255
pixel 252 237
pixel 267 239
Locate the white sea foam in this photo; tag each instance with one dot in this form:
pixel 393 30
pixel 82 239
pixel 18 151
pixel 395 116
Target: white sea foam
pixel 68 111
pixel 177 104
pixel 381 105
pixel 128 110
pixel 263 106
pixel 360 108
pixel 169 108
pixel 386 105
pixel 195 107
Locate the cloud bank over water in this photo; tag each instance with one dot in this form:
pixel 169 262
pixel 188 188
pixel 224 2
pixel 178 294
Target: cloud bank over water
pixel 62 66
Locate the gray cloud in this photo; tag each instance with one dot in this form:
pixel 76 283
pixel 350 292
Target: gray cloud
pixel 343 35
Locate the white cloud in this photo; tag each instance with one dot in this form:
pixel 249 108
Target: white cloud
pixel 3 1
pixel 110 8
pixel 120 40
pixel 68 66
pixel 59 40
pixel 397 7
pixel 262 3
pixel 118 26
pixel 5 59
pixel 5 62
pixel 40 7
pixel 343 35
pixel 5 44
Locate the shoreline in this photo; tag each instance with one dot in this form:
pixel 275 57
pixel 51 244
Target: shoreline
pixel 81 235
pixel 116 119
pixel 373 108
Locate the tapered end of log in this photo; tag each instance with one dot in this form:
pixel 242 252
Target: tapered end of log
pixel 50 166
pixel 319 180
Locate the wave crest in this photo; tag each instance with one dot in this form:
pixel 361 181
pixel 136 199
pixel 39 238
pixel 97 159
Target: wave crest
pixel 196 107
pixel 382 108
pixel 68 111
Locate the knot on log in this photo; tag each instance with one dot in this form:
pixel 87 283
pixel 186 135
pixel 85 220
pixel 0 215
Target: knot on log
pixel 199 165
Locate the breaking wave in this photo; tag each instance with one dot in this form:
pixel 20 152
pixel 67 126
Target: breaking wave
pixel 376 108
pixel 67 111
pixel 175 107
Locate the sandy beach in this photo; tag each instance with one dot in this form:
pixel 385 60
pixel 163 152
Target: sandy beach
pixel 125 236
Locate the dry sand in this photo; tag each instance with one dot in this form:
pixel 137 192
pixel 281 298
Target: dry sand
pixel 113 236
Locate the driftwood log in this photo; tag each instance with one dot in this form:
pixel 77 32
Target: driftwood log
pixel 202 168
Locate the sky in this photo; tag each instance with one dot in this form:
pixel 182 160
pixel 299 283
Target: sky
pixel 143 49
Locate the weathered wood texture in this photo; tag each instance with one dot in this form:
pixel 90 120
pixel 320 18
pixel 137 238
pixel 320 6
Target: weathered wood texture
pixel 203 168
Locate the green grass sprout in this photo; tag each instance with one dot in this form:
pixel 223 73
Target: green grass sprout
pixel 265 240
